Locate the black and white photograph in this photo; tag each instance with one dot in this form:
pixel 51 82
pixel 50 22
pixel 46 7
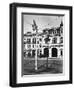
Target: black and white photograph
pixel 40 44
pixel 42 49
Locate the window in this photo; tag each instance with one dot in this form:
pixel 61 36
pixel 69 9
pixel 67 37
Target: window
pixel 34 40
pixel 54 40
pixel 54 52
pixel 61 40
pixel 29 46
pixel 55 31
pixel 33 46
pixel 37 42
pixel 28 40
pixel 40 39
pixel 24 45
pixel 24 54
pixel 40 45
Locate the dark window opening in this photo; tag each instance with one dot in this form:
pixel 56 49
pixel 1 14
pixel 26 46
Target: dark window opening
pixel 61 53
pixel 54 52
pixel 46 52
pixel 28 41
pixel 24 54
pixel 38 42
pixel 40 39
pixel 34 40
pixel 33 53
pixel 40 45
pixel 54 40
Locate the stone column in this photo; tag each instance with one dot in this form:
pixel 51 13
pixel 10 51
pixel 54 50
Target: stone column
pixel 58 52
pixel 58 39
pixel 42 51
pixel 31 52
pixel 50 52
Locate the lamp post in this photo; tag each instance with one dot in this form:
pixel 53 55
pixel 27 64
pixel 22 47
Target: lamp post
pixel 36 67
pixel 47 53
pixel 35 28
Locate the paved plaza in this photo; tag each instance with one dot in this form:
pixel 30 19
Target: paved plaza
pixel 54 66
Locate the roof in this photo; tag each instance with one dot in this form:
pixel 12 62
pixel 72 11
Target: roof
pixel 46 31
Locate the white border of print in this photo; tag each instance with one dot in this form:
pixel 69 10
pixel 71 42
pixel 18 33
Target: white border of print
pixel 44 77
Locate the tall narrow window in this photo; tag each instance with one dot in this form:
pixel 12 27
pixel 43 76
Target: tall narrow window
pixel 34 40
pixel 54 52
pixel 33 45
pixel 40 39
pixel 61 40
pixel 28 40
pixel 54 40
pixel 61 53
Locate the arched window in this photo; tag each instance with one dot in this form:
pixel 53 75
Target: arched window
pixel 40 45
pixel 33 45
pixel 29 54
pixel 46 52
pixel 54 52
pixel 33 53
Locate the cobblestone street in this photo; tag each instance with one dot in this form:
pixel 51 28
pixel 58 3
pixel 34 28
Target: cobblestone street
pixel 54 66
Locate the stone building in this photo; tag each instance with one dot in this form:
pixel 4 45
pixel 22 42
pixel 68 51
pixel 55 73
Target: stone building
pixel 54 46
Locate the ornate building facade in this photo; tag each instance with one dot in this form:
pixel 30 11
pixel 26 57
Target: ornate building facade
pixel 54 46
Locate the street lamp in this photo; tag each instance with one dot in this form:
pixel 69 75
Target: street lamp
pixel 35 28
pixel 47 52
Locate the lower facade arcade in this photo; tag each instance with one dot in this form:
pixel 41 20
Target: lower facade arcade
pixel 51 52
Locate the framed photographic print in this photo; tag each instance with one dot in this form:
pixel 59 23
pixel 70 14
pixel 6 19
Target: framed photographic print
pixel 40 44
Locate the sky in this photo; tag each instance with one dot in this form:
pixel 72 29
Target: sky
pixel 42 21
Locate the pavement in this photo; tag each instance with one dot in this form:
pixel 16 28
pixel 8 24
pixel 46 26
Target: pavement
pixel 54 66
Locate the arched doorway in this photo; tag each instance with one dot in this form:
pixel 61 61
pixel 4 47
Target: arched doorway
pixel 33 53
pixel 46 52
pixel 54 52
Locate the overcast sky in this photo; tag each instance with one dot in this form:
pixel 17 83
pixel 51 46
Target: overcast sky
pixel 42 22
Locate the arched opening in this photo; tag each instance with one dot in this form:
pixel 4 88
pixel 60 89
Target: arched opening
pixel 54 52
pixel 46 52
pixel 33 53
